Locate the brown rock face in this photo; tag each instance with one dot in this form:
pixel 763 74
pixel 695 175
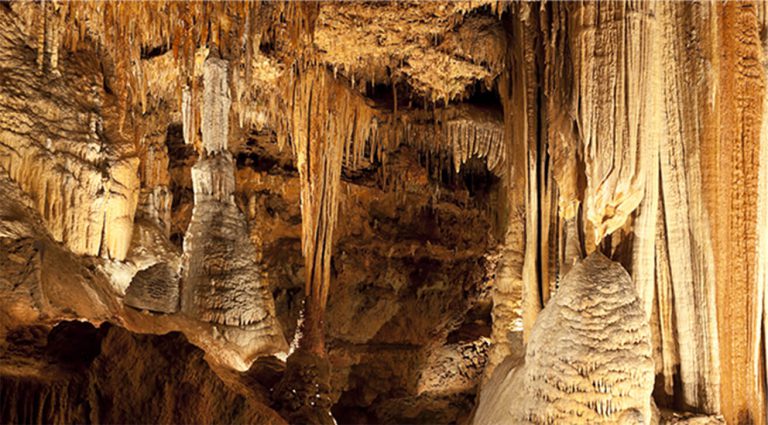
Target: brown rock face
pixel 82 374
pixel 371 212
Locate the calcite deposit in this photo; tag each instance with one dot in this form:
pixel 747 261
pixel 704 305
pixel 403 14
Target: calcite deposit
pixel 588 358
pixel 383 212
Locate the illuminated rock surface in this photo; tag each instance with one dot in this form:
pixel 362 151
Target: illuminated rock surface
pixel 366 212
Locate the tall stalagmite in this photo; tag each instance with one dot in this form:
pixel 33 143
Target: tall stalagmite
pixel 222 283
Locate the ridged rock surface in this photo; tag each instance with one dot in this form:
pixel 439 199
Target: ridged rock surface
pixel 588 359
pixel 223 284
pixel 54 143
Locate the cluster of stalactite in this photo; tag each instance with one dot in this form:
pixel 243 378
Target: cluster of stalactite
pixel 649 149
pixel 131 34
pixel 329 126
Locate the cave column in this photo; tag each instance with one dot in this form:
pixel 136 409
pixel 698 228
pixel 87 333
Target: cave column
pixel 516 292
pixel 223 285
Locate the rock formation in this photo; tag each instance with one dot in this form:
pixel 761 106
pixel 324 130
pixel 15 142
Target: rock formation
pixel 369 212
pixel 223 285
pixel 588 358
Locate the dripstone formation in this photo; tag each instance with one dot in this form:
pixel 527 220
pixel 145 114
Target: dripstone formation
pixel 409 212
pixel 588 359
pixel 223 285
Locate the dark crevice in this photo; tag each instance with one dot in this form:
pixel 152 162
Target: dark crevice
pixel 152 52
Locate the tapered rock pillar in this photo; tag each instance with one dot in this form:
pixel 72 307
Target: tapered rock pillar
pixel 588 359
pixel 222 284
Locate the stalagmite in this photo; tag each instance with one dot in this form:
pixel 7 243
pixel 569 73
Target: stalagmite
pixel 223 284
pixel 588 359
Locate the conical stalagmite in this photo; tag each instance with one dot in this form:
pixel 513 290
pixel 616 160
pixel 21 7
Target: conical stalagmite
pixel 588 359
pixel 223 284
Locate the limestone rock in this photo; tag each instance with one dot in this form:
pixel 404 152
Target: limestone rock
pixel 223 285
pixel 53 146
pixel 588 359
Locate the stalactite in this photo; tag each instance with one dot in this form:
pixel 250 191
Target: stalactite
pixel 562 139
pixel 469 140
pixel 124 28
pixel 319 140
pixel 687 232
pixel 32 400
pixel 650 134
pixel 216 105
pixel 48 18
pixel 460 133
pixel 628 128
pixel 187 116
pixel 730 176
pixel 524 109
pixel 611 47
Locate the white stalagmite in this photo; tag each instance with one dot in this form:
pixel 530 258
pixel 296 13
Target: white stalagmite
pixel 588 359
pixel 223 284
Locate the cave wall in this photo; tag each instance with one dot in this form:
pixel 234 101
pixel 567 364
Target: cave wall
pixel 667 86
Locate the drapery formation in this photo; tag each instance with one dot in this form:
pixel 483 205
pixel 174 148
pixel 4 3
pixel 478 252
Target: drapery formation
pixel 647 147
